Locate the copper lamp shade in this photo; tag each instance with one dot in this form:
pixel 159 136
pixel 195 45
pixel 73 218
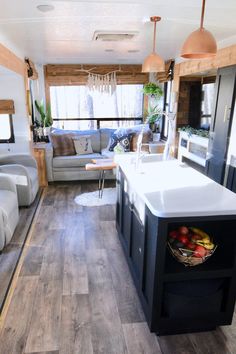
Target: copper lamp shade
pixel 153 63
pixel 200 44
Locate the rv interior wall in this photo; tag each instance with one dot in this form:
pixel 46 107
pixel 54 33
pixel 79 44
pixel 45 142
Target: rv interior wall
pixel 12 87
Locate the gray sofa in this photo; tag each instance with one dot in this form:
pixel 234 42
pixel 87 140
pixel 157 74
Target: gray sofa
pixel 9 212
pixel 72 167
pixel 69 168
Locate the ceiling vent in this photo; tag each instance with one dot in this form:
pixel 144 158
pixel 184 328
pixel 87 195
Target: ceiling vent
pixel 114 36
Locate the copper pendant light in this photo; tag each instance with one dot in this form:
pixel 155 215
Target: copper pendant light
pixel 153 63
pixel 200 44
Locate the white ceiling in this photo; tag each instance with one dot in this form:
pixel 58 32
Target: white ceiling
pixel 65 34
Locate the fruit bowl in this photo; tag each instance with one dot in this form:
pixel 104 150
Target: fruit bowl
pixel 190 245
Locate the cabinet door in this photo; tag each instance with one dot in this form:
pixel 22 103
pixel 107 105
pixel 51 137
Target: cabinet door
pixel 126 220
pixel 221 124
pixel 137 246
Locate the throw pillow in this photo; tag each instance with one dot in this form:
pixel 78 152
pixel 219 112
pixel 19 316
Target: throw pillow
pixel 122 138
pixel 147 136
pixel 62 144
pixel 83 145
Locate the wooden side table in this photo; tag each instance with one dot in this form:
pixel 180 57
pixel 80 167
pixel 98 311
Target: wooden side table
pixel 39 154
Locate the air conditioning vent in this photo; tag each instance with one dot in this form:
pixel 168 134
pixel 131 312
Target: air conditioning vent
pixel 114 36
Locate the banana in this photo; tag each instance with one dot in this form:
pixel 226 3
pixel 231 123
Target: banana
pixel 201 233
pixel 207 245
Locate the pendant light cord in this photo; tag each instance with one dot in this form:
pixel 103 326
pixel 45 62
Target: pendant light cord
pixel 202 15
pixel 154 38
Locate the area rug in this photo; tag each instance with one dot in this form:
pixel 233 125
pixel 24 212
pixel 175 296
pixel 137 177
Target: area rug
pixel 91 199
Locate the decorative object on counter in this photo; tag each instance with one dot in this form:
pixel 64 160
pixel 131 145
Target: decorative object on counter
pixel 200 44
pixel 190 245
pixel 45 117
pixel 153 62
pixel 193 131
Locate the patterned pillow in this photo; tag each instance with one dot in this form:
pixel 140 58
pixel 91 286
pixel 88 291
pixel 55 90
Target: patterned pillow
pixel 83 145
pixel 62 144
pixel 121 138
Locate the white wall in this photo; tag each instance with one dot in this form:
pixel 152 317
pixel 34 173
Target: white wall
pixel 12 87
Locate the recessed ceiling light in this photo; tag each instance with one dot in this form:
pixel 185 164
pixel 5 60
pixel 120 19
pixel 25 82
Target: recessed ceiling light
pixel 45 8
pixel 109 50
pixel 133 50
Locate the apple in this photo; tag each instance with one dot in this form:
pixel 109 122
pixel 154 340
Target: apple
pixel 173 234
pixel 195 237
pixel 191 246
pixel 183 230
pixel 199 252
pixel 183 239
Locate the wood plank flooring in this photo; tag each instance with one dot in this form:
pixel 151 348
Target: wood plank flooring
pixel 75 294
pixel 10 254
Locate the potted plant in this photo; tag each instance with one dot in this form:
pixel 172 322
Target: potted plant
pixel 46 117
pixel 153 117
pixel 153 90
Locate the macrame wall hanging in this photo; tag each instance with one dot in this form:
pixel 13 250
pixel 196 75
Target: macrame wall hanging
pixel 102 83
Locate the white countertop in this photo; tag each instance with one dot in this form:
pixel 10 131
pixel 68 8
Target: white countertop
pixel 172 189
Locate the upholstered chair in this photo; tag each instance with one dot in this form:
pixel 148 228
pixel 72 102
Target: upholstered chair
pixel 9 211
pixel 22 168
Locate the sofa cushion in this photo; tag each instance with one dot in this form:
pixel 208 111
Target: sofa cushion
pixel 107 154
pixel 83 145
pixel 105 135
pixel 94 135
pixel 62 144
pixel 75 160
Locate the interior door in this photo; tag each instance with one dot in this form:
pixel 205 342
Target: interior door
pixel 220 127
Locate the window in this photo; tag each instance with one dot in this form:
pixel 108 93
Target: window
pixel 167 107
pixel 6 129
pixel 70 104
pixel 208 91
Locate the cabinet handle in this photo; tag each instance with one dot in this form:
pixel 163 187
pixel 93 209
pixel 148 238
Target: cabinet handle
pixel 226 113
pixel 140 250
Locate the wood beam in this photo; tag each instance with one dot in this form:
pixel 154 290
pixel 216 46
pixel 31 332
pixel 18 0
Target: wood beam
pixel 10 61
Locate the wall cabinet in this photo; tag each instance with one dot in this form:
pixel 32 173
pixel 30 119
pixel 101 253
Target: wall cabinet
pixel 175 298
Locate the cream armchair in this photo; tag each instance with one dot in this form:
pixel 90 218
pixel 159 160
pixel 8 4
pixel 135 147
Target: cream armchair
pixel 22 168
pixel 9 212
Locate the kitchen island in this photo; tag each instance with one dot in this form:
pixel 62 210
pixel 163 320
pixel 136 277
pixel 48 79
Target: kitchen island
pixel 161 197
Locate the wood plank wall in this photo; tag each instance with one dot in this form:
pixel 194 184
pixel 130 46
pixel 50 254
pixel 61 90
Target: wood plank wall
pixel 63 74
pixel 224 57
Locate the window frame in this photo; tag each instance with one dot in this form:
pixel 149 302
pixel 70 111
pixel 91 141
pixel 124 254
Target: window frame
pixel 11 140
pixel 167 104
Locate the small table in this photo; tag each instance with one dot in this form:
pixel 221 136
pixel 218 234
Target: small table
pixel 101 165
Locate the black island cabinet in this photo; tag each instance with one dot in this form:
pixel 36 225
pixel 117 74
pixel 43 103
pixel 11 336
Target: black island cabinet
pixel 176 298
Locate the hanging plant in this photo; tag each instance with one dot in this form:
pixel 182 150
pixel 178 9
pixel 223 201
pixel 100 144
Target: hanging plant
pixel 152 89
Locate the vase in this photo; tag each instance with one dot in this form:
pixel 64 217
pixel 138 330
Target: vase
pixel 46 131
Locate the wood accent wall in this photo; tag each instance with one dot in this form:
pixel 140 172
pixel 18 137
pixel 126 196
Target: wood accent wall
pixel 7 107
pixel 224 57
pixel 71 74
